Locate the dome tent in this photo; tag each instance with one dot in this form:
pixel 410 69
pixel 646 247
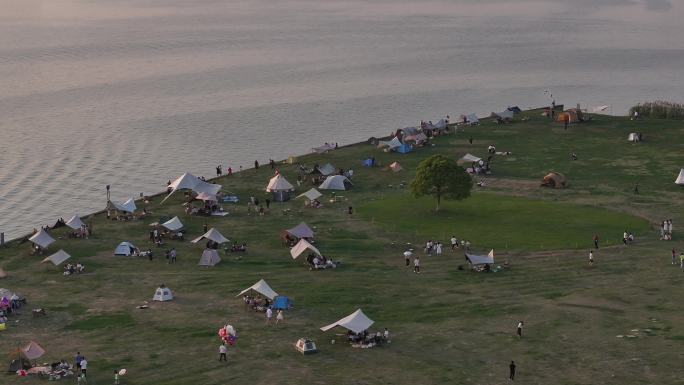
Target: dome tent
pixel 162 294
pixel 125 248
pixel 335 182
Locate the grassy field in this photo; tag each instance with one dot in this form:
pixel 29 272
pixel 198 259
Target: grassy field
pixel 449 326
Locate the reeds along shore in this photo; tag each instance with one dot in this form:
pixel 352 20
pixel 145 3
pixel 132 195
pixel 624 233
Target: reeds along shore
pixel 659 110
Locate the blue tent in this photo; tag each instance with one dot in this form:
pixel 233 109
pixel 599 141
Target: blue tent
pixel 368 162
pixel 404 148
pixel 281 302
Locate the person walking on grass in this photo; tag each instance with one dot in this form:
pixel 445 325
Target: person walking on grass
pixel 511 371
pixel 591 257
pixel 84 366
pixel 416 264
pixel 520 327
pixel 77 362
pixel 280 317
pixel 269 315
pixel 454 242
pixel 407 257
pixel 116 377
pixel 674 256
pixel 595 238
pixel 223 353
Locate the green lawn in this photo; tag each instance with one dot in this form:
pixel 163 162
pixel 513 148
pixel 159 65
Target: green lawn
pixel 502 222
pixel 450 326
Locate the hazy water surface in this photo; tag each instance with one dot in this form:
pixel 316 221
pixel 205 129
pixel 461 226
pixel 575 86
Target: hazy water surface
pixel 134 92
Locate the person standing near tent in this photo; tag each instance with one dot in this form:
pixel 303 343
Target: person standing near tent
pixel 84 366
pixel 438 248
pixel 269 315
pixel 77 362
pixel 116 377
pixel 272 163
pixel 519 331
pixel 172 255
pixel 511 371
pixel 223 352
pixel 280 317
pixel 416 264
pixel 591 257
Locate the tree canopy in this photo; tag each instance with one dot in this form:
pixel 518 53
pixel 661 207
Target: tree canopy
pixel 441 177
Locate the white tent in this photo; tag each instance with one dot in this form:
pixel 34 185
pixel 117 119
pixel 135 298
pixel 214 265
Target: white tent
pixel 212 234
pixel 262 288
pixel 680 178
pixel 442 124
pixel 301 231
pixel 42 238
pixel 127 207
pixel 327 169
pixel 191 182
pixel 472 119
pixel 57 258
pixel 311 194
pixel 173 224
pixel 356 322
pixel 162 294
pixel 210 257
pixel 391 144
pixel 633 137
pixel 206 187
pixel 75 223
pixel 279 183
pixel 124 248
pixel 396 167
pixel 470 158
pixel 324 148
pixel 301 247
pixel 335 182
pixel 481 259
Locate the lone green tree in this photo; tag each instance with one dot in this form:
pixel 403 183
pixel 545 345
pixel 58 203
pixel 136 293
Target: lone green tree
pixel 441 177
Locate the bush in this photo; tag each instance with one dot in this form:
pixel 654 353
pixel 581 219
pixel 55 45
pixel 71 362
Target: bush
pixel 659 110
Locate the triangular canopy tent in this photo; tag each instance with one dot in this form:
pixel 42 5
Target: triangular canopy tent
pixel 173 224
pixel 3 274
pixel 301 247
pixel 75 223
pixel 42 238
pixel 301 231
pixel 188 181
pixel 206 187
pixel 335 182
pixel 554 180
pixel 280 188
pixel 162 294
pixel 391 144
pixel 57 258
pixel 126 207
pixel 470 158
pixel 356 322
pixel 572 115
pixel 405 148
pixel 481 259
pixel 262 288
pixel 125 248
pixel 471 119
pixel 327 169
pixel 213 235
pixel 680 178
pixel 311 194
pixel 32 351
pixel 395 166
pixel 210 257
pixel 441 125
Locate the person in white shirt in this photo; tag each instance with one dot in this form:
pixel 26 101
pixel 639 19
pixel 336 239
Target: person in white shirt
pixel 386 335
pixel 416 265
pixel 223 352
pixel 407 256
pixel 280 317
pixel 269 315
pixel 84 366
pixel 591 257
pixel 454 242
pixel 520 327
pixel 438 248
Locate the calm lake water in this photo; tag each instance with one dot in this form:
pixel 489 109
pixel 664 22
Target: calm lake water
pixel 134 92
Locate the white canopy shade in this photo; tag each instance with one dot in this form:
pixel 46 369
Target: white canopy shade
pixel 396 167
pixel 470 158
pixel 57 258
pixel 279 183
pixel 302 246
pixel 212 234
pixel 334 182
pixel 173 224
pixel 481 259
pixel 127 207
pixel 206 187
pixel 394 143
pixel 311 194
pixel 191 182
pixel 42 238
pixel 262 288
pixel 301 231
pixel 356 322
pixel 680 178
pixel 75 222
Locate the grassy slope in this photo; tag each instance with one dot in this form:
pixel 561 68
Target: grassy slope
pixel 449 326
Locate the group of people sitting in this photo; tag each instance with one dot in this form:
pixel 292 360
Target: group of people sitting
pixel 9 306
pixel 70 268
pixel 83 232
pixel 256 303
pixel 316 261
pixel 368 340
pixel 237 248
